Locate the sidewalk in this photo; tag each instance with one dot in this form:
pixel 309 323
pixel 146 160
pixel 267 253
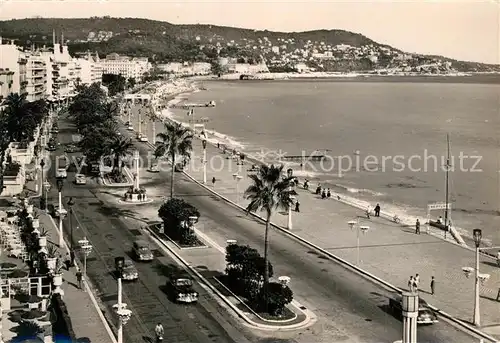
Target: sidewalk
pixel 87 325
pixel 388 250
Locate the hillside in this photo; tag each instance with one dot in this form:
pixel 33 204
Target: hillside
pixel 162 41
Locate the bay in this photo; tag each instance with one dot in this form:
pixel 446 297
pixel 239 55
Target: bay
pixel 391 134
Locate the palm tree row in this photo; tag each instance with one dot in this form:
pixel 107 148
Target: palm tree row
pixel 18 122
pixel 96 120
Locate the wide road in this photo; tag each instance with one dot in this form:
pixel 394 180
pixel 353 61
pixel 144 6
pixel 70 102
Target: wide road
pixel 112 236
pixel 350 307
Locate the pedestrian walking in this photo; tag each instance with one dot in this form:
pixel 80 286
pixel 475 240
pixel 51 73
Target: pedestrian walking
pixel 213 181
pixel 297 206
pixel 328 193
pixel 79 279
pixel 417 227
pixel 323 194
pixel 67 262
pixel 159 333
pixel 416 281
pixel 377 210
pixel 410 284
pixel 433 285
pixel 72 257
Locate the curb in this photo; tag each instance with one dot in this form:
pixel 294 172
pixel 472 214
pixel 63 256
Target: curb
pixel 240 314
pixel 89 292
pixel 367 275
pixel 119 185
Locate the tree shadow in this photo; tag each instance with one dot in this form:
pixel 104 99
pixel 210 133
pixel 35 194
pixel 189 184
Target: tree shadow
pixel 489 298
pixel 115 212
pixel 168 270
pixel 491 264
pixel 83 340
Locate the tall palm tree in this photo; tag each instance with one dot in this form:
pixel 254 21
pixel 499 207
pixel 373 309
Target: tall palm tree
pixel 269 191
pixel 120 148
pixel 17 112
pixel 175 140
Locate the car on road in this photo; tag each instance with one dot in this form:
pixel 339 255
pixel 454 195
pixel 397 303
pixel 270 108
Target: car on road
pixel 61 173
pixel 80 179
pixel 51 147
pixel 141 137
pixel 70 148
pixel 179 167
pixel 154 169
pixel 142 251
pixel 130 273
pixel 425 314
pixel 181 289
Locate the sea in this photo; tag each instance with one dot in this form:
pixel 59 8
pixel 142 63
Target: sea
pixel 385 142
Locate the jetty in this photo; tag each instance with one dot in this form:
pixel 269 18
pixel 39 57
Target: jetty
pixel 313 158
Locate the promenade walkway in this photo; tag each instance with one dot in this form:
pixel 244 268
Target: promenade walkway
pixel 87 325
pixel 388 250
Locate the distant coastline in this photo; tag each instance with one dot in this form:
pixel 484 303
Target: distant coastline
pixel 479 78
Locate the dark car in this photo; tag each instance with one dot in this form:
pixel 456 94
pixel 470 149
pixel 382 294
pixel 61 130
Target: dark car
pixel 51 147
pixel 181 289
pixel 425 314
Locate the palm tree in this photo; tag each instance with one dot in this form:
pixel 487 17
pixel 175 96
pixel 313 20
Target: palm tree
pixel 176 140
pixel 268 192
pixel 17 112
pixel 120 148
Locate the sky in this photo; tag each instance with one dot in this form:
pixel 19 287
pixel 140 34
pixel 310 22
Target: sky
pixel 465 30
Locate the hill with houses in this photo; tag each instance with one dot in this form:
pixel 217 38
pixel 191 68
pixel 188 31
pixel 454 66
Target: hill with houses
pixel 322 50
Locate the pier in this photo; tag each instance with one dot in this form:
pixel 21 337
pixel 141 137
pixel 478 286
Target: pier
pixel 313 158
pixel 191 105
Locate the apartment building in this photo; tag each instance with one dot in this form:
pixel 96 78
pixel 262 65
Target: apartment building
pixel 34 83
pixel 6 81
pixel 125 66
pixel 9 59
pixel 89 69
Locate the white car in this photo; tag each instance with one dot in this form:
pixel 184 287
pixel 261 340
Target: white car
pixel 130 128
pixel 154 169
pixel 61 173
pixel 142 138
pixel 80 179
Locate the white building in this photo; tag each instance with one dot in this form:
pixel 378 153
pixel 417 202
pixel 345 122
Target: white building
pixel 9 59
pixel 90 69
pixel 35 82
pixel 125 66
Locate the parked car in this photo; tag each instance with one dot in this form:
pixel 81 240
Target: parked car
pixel 425 314
pixel 51 147
pixel 80 179
pixel 130 273
pixel 142 251
pixel 181 289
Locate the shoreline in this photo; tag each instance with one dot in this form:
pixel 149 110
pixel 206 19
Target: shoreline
pixel 214 137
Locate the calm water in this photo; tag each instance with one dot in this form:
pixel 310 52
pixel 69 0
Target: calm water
pixel 380 121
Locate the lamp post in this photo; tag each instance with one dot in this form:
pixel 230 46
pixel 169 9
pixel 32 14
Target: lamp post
pixel 60 185
pixel 237 178
pixel 359 228
pixel 478 277
pixel 410 315
pixel 120 308
pixel 42 167
pixel 139 115
pixel 70 204
pixel 86 248
pixel 204 143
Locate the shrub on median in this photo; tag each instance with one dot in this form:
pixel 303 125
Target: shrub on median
pixel 245 277
pixel 177 217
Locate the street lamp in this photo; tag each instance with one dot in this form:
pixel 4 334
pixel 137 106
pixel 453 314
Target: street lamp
pixel 120 308
pixel 61 211
pixel 70 204
pixel 42 167
pixel 359 228
pixel 292 199
pixel 237 178
pixel 477 234
pixel 86 248
pixel 204 143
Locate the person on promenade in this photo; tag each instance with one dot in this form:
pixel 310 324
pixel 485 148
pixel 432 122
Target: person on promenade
pixel 213 181
pixel 297 206
pixel 417 227
pixel 416 281
pixel 72 257
pixel 377 210
pixel 328 193
pixel 306 184
pixel 439 220
pixel 79 279
pixel 159 333
pixel 433 285
pixel 67 261
pixel 323 194
pixel 318 189
pixel 411 284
